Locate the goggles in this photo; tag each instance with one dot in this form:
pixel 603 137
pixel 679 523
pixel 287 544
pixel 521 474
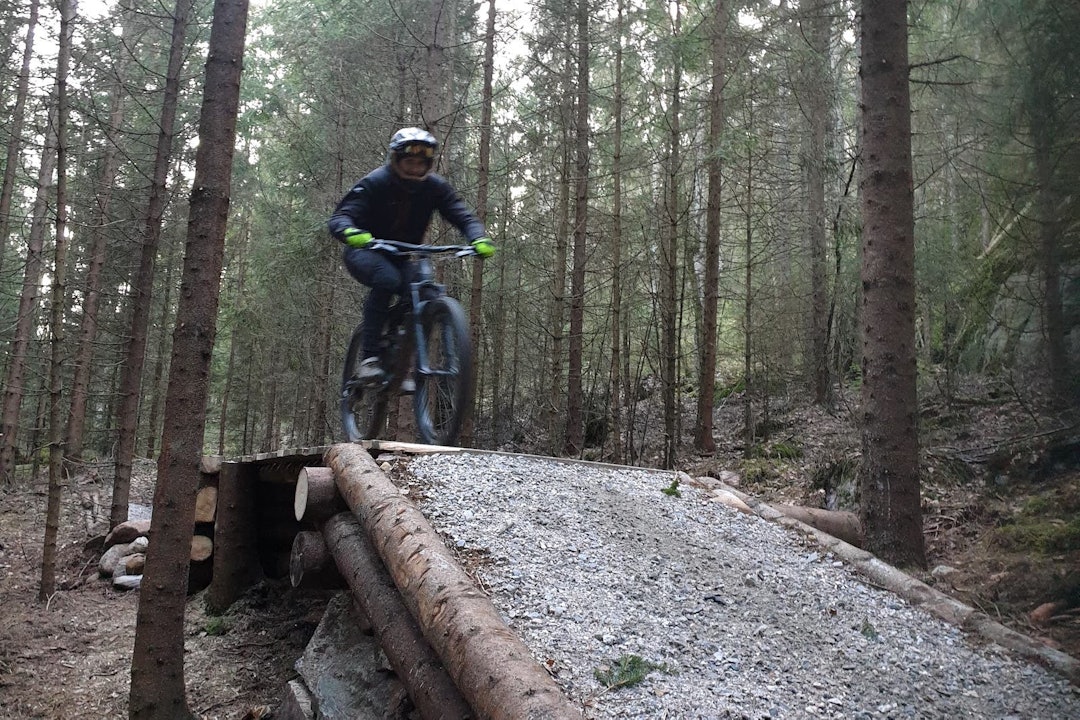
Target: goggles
pixel 417 150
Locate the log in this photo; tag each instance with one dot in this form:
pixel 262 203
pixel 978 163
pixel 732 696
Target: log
pixel 202 548
pixel 236 564
pixel 490 664
pixel 838 523
pixel 210 464
pixel 206 504
pixel 412 658
pixel 316 497
pixel 407 447
pixel 310 563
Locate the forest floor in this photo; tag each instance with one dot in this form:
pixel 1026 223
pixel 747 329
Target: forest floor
pixel 1001 499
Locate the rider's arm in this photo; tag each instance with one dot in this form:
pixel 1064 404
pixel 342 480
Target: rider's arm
pixel 350 212
pixel 455 211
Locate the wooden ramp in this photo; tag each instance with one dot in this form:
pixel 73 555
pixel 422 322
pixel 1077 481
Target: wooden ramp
pixel 325 515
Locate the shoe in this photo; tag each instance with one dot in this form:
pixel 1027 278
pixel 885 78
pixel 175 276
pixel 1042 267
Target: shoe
pixel 369 370
pixel 408 386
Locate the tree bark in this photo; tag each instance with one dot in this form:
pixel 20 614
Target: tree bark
pixel 575 422
pixel 56 311
pixel 15 127
pixel 703 434
pixel 88 326
pixel 889 472
pixel 476 294
pixel 614 373
pixel 157 666
pixel 131 376
pixel 816 24
pixel 411 656
pixel 28 300
pixel 491 666
pixel 669 258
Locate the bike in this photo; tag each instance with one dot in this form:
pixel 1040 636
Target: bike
pixel 425 324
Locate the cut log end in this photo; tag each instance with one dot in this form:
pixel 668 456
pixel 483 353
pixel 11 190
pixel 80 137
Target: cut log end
pixel 202 548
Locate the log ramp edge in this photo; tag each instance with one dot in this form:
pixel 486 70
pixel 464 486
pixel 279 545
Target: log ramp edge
pixel 491 667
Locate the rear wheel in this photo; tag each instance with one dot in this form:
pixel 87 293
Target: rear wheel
pixel 363 405
pixel 443 388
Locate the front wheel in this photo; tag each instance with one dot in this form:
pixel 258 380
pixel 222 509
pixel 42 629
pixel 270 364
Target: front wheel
pixel 443 387
pixel 363 406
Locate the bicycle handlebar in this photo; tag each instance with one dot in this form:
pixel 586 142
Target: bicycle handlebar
pixel 396 247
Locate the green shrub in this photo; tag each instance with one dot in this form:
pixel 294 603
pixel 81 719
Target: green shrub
pixel 626 671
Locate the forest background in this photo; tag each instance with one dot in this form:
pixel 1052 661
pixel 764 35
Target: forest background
pixel 677 192
pixel 672 186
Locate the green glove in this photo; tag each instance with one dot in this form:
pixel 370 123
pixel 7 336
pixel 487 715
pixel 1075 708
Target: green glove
pixel 483 246
pixel 355 237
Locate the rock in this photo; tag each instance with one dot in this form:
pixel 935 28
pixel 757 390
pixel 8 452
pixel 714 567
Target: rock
pixel 127 582
pixel 944 572
pixel 111 558
pixel 133 564
pixel 127 531
pixel 1045 612
pixel 729 477
pixel 731 500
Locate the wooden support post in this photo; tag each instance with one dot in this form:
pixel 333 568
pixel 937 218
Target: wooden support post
pixel 489 663
pixel 416 664
pixel 236 562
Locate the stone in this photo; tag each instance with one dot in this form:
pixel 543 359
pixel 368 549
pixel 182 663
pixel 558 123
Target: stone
pixel 127 531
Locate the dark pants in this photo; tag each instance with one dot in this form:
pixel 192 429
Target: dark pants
pixel 386 276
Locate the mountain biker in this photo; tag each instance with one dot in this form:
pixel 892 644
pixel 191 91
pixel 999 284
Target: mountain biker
pixel 396 202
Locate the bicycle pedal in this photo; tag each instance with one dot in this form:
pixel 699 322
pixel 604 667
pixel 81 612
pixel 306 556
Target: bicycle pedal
pixel 408 386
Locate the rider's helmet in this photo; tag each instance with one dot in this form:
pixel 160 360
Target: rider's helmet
pixel 414 143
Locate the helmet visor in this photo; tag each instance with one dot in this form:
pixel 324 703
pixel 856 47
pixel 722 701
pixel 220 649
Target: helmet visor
pixel 417 150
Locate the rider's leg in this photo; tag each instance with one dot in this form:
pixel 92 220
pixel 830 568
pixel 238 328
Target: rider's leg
pixel 384 276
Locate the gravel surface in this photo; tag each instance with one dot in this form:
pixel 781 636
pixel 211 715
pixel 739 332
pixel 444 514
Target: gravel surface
pixel 732 616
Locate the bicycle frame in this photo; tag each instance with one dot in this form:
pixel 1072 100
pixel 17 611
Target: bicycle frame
pixel 436 348
pixel 423 278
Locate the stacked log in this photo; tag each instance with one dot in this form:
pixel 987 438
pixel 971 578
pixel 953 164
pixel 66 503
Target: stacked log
pixel 125 545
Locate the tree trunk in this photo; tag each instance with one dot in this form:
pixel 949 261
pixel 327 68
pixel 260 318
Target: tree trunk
pixel 889 472
pixel 614 373
pixel 15 127
pixel 669 260
pixel 707 380
pixel 84 354
pixel 15 377
pixel 156 380
pixel 131 377
pixel 234 343
pixel 476 316
pixel 575 423
pixel 56 312
pixel 157 666
pixel 1043 124
pixel 817 23
pixel 748 314
pixel 558 289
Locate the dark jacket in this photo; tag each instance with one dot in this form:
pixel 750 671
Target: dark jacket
pixel 392 209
